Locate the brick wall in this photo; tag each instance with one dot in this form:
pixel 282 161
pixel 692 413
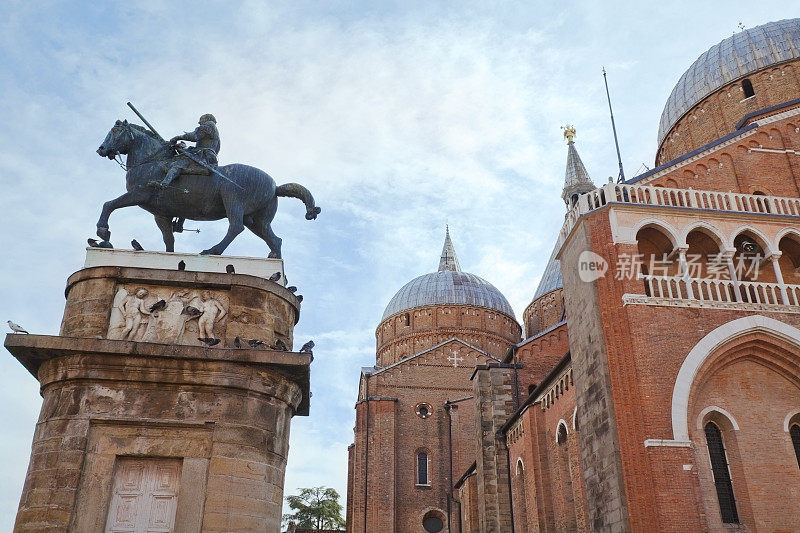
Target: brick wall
pixel 736 166
pixel 538 355
pixel 644 348
pixel 468 496
pixel 717 115
pixel 543 313
pixel 436 377
pixel 415 330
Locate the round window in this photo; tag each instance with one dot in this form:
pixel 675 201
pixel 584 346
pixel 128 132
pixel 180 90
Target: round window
pixel 424 410
pixel 433 524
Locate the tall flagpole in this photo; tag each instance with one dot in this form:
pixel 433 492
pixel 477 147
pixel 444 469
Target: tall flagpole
pixel 621 176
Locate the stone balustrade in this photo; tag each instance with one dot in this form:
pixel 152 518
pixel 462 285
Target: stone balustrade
pixel 720 290
pixel 617 193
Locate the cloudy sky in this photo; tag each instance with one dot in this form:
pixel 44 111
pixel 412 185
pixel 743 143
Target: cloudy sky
pixel 399 116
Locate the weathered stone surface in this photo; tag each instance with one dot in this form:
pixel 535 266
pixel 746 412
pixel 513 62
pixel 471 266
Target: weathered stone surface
pixel 605 491
pixel 254 308
pixel 224 412
pixel 494 403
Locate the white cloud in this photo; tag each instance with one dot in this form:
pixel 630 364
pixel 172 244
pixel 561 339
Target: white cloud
pixel 399 118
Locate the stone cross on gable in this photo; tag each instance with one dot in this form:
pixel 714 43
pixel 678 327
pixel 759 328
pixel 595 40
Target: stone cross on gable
pixel 455 358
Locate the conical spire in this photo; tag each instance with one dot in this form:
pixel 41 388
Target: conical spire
pixel 576 179
pixel 448 261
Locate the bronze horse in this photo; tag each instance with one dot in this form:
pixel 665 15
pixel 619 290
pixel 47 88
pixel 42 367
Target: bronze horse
pixel 248 198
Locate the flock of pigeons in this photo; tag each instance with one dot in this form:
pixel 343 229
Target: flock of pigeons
pixel 94 243
pixel 208 341
pixel 193 311
pixel 255 343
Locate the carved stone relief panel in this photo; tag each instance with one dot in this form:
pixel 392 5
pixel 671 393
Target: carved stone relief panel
pixel 162 314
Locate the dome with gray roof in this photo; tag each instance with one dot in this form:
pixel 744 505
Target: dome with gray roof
pixel 737 56
pixel 448 286
pixel 551 279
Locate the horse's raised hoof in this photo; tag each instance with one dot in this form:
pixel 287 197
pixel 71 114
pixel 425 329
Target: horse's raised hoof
pixel 210 251
pixel 311 214
pixel 103 233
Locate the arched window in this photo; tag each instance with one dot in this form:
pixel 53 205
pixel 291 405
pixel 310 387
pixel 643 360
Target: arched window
pixel 406 320
pixel 561 435
pixel 747 87
pixel 422 468
pixel 722 475
pixel 795 433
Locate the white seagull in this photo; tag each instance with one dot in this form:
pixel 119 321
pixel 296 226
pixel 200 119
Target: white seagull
pixel 16 328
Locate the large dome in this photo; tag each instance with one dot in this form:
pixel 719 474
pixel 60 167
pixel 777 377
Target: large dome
pixel 448 286
pixel 735 57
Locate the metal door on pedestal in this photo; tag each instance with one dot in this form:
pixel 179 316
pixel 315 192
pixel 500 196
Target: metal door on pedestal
pixel 145 495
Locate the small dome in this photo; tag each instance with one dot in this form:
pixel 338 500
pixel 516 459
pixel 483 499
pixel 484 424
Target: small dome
pixel 735 57
pixel 448 286
pixel 551 279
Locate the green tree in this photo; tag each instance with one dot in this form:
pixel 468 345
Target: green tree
pixel 315 508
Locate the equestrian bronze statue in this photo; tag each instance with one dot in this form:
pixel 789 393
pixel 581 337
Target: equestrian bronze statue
pixel 245 195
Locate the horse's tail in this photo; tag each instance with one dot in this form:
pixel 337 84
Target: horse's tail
pixel 295 190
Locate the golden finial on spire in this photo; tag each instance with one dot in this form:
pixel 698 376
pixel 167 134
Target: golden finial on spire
pixel 569 132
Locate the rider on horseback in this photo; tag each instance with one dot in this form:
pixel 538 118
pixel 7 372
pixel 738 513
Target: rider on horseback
pixel 206 139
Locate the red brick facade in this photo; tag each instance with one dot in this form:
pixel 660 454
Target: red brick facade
pixel 656 398
pixel 719 113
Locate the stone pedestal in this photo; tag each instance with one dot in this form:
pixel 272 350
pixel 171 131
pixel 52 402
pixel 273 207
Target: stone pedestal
pixel 143 423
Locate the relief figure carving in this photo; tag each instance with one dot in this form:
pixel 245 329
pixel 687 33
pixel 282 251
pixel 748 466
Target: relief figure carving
pixel 130 314
pixel 168 323
pixel 143 315
pixel 212 312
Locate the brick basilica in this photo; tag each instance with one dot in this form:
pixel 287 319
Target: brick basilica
pixel 656 386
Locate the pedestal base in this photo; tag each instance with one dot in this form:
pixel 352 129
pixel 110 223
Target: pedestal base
pixel 147 425
pixel 223 414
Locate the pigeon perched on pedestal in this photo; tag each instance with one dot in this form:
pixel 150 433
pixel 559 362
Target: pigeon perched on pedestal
pixel 291 288
pixel 255 342
pixel 208 341
pixel 307 347
pixel 158 306
pixel 16 328
pixel 280 345
pixel 230 270
pixel 191 311
pixel 237 342
pixel 94 243
pixel 136 246
pixel 299 298
pixel 275 277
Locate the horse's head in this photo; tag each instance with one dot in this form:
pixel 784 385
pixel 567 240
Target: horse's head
pixel 118 140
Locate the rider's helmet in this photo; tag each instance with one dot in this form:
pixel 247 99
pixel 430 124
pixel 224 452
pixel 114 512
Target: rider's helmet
pixel 206 118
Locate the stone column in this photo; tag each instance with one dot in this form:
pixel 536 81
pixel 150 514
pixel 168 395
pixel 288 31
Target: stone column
pixel 128 384
pixel 779 277
pixel 728 255
pixel 494 403
pixel 684 271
